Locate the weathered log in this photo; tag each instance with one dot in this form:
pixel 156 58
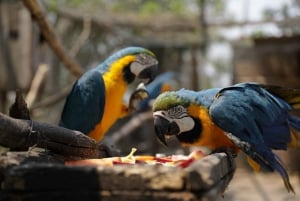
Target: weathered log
pixel 34 156
pixel 21 134
pixel 205 179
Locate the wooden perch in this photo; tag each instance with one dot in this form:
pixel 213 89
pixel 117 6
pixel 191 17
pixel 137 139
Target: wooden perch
pixel 51 38
pixel 19 109
pixel 21 134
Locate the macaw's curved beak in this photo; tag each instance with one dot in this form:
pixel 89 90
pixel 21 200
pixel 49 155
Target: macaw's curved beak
pixel 148 74
pixel 164 127
pixel 145 67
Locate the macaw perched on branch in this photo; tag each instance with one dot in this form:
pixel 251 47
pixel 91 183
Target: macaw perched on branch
pixel 96 100
pixel 250 117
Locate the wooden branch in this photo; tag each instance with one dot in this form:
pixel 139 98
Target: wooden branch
pixel 51 38
pixel 36 83
pixel 135 122
pixel 159 23
pixel 20 134
pixel 19 109
pixel 108 21
pixel 83 36
pixel 52 99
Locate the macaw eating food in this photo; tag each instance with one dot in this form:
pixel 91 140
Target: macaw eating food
pixel 96 100
pixel 250 117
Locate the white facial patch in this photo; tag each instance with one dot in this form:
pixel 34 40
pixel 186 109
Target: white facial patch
pixel 185 124
pixel 136 68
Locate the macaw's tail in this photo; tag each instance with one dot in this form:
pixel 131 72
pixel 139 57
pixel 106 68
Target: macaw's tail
pixel 270 161
pixel 279 167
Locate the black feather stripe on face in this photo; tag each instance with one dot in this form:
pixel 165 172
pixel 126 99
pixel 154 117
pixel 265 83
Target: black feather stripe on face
pixel 128 75
pixel 193 135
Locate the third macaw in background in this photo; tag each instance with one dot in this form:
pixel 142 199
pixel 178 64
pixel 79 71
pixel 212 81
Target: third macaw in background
pixel 96 100
pixel 250 117
pixel 162 83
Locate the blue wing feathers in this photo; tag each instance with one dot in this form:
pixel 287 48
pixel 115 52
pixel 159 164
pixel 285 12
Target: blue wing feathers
pixel 246 106
pixel 258 117
pixel 294 122
pixel 277 137
pixel 86 99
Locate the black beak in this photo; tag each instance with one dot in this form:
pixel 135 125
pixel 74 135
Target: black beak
pixel 149 73
pixel 164 127
pixel 149 66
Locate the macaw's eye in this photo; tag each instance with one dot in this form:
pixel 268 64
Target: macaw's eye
pixel 164 113
pixel 180 109
pixel 177 112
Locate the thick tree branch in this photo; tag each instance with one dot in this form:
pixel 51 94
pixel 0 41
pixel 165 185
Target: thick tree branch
pixel 20 134
pixel 51 38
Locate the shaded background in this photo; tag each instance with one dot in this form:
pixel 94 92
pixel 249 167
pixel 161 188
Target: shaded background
pixel 209 43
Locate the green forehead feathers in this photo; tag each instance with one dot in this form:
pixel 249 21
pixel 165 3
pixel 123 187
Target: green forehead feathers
pixel 169 99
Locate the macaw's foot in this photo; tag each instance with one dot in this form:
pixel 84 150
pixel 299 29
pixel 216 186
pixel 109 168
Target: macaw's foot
pixel 231 154
pixel 137 97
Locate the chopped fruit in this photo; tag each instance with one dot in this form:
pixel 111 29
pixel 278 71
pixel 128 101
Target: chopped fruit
pixel 181 161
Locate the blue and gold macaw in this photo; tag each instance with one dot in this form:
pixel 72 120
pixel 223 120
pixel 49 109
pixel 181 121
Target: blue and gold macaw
pixel 96 100
pixel 250 117
pixel 162 83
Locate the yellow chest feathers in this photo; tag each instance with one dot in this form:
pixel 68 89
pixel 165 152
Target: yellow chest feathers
pixel 211 135
pixel 115 88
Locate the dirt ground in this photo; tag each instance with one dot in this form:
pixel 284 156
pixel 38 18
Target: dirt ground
pixel 249 186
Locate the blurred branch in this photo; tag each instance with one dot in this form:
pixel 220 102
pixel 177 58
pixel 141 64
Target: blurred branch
pixel 36 83
pixel 51 38
pixel 83 36
pixel 133 124
pixel 108 22
pixel 159 23
pixel 53 99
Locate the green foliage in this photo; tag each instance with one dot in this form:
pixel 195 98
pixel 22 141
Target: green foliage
pixel 258 34
pixel 143 7
pixel 150 7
